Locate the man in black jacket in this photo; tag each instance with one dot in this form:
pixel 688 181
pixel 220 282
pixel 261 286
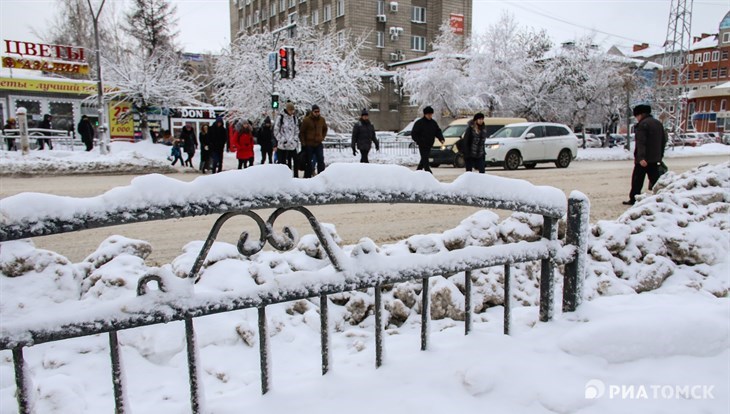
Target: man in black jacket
pixel 363 136
pixel 425 131
pixel 45 124
pixel 86 130
pixel 218 136
pixel 651 138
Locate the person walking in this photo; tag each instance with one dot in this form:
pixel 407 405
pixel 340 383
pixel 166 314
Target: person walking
pixel 424 133
pixel 363 136
pixel 189 143
pixel 244 145
pixel 286 134
pixel 176 152
pixel 651 138
pixel 311 134
pixel 45 124
pixel 265 139
pixel 11 124
pixel 204 139
pixel 218 136
pixel 86 130
pixel 474 137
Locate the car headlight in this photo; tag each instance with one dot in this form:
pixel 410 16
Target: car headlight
pixel 447 147
pixel 492 146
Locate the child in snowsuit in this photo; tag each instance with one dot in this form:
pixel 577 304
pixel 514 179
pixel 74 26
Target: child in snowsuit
pixel 175 152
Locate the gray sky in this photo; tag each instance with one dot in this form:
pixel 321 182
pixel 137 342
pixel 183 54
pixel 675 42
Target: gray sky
pixel 204 24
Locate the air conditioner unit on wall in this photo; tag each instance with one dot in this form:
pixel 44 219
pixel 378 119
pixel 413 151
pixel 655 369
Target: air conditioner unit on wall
pixel 395 31
pixel 393 6
pixel 382 18
pixel 394 57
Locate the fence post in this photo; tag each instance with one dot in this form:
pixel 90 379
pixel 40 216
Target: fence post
pixel 547 287
pixel 576 235
pixel 23 383
pixel 22 115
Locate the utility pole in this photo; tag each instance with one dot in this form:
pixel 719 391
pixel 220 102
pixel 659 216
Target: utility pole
pixel 674 75
pixel 104 135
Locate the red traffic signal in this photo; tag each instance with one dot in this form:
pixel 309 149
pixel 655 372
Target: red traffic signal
pixel 284 63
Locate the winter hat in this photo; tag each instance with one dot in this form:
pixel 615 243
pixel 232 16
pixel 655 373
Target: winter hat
pixel 315 107
pixel 479 115
pixel 289 106
pixel 267 121
pixel 427 110
pixel 364 112
pixel 642 109
pixel 219 118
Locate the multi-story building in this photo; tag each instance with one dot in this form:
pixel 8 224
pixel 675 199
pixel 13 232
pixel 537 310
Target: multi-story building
pixel 399 31
pixel 707 66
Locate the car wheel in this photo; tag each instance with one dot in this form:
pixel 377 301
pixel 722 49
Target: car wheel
pixel 530 165
pixel 564 159
pixel 512 160
pixel 459 161
pixel 434 165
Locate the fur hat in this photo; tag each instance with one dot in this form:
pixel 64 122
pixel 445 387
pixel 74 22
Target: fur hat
pixel 427 110
pixel 642 109
pixel 289 106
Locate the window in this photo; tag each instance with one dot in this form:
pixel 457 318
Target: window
pixel 327 14
pixel 302 1
pixel 248 20
pixel 380 39
pixel 292 18
pixel 292 3
pixel 418 14
pixel 273 8
pixel 723 104
pixel 705 73
pixel 715 55
pixel 381 7
pixel 418 43
pixel 315 17
pixel 240 25
pixel 713 73
pixel 282 5
pixel 724 54
pixel 723 72
pixel 726 37
pixel 341 38
pixel 698 58
pixel 539 131
pixel 689 59
pixel 555 131
pixel 706 57
pixel 697 75
pixel 712 105
pixel 340 8
pixel 257 17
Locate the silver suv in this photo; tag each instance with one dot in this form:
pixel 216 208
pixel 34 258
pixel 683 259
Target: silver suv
pixel 529 143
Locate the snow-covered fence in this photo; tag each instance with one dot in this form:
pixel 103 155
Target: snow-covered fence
pixel 244 193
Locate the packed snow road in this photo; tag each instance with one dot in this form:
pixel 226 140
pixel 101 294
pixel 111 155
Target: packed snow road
pixel 606 183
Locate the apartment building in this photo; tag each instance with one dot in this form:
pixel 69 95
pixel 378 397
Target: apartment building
pixel 399 31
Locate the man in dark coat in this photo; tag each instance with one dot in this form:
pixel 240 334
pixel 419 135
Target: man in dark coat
pixel 311 135
pixel 651 138
pixel 189 143
pixel 363 135
pixel 218 138
pixel 45 124
pixel 86 130
pixel 425 131
pixel 265 139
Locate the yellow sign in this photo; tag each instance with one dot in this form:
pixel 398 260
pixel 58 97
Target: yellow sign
pixel 45 65
pixel 121 121
pixel 71 87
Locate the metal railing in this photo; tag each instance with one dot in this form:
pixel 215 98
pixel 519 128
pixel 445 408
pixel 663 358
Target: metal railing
pixel 396 148
pixel 64 139
pixel 343 276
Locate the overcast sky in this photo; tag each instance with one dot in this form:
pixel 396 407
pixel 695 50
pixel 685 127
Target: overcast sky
pixel 204 24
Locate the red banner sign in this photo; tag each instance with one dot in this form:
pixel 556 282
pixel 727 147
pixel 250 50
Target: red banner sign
pixel 42 50
pixel 456 21
pixel 45 65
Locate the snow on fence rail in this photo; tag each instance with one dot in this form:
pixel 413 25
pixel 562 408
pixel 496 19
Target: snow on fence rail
pixel 244 192
pixel 58 136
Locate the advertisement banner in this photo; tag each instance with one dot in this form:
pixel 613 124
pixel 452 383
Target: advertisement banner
pixel 33 85
pixel 121 121
pixel 456 21
pixel 45 65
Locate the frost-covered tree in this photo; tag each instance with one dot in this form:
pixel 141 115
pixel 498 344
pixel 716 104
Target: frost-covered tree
pixel 146 81
pixel 329 72
pixel 443 82
pixel 152 23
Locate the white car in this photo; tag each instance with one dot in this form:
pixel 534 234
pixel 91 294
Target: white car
pixel 529 143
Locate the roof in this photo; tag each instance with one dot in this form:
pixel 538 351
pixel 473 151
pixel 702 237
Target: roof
pixel 725 23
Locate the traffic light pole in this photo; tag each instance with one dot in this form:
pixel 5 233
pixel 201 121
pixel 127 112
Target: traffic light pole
pixel 276 33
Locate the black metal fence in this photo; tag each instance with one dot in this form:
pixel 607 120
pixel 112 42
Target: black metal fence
pixel 63 139
pixel 342 277
pixel 394 148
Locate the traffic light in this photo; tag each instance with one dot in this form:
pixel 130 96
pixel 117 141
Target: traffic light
pixel 284 63
pixel 275 101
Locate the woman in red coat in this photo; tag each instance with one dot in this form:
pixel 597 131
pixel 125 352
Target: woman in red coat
pixel 244 146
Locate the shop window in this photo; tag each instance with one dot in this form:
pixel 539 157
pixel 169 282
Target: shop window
pixel 63 115
pixel 34 111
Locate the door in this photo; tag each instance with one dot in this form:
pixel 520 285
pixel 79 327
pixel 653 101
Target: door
pixel 533 149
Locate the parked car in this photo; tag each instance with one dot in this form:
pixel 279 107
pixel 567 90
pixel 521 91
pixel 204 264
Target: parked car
pixel 690 139
pixel 530 143
pixel 726 138
pixel 386 136
pixel 616 140
pixel 447 153
pixel 592 141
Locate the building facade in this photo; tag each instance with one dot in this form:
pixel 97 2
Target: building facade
pixel 398 31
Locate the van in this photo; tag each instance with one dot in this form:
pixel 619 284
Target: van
pixel 447 153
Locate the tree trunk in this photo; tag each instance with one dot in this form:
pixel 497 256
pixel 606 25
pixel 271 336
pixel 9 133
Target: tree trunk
pixel 144 126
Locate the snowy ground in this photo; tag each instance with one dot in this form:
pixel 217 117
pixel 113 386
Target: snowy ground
pixel 664 350
pixel 145 157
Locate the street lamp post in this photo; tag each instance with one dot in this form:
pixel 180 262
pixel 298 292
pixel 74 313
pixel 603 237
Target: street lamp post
pixel 105 147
